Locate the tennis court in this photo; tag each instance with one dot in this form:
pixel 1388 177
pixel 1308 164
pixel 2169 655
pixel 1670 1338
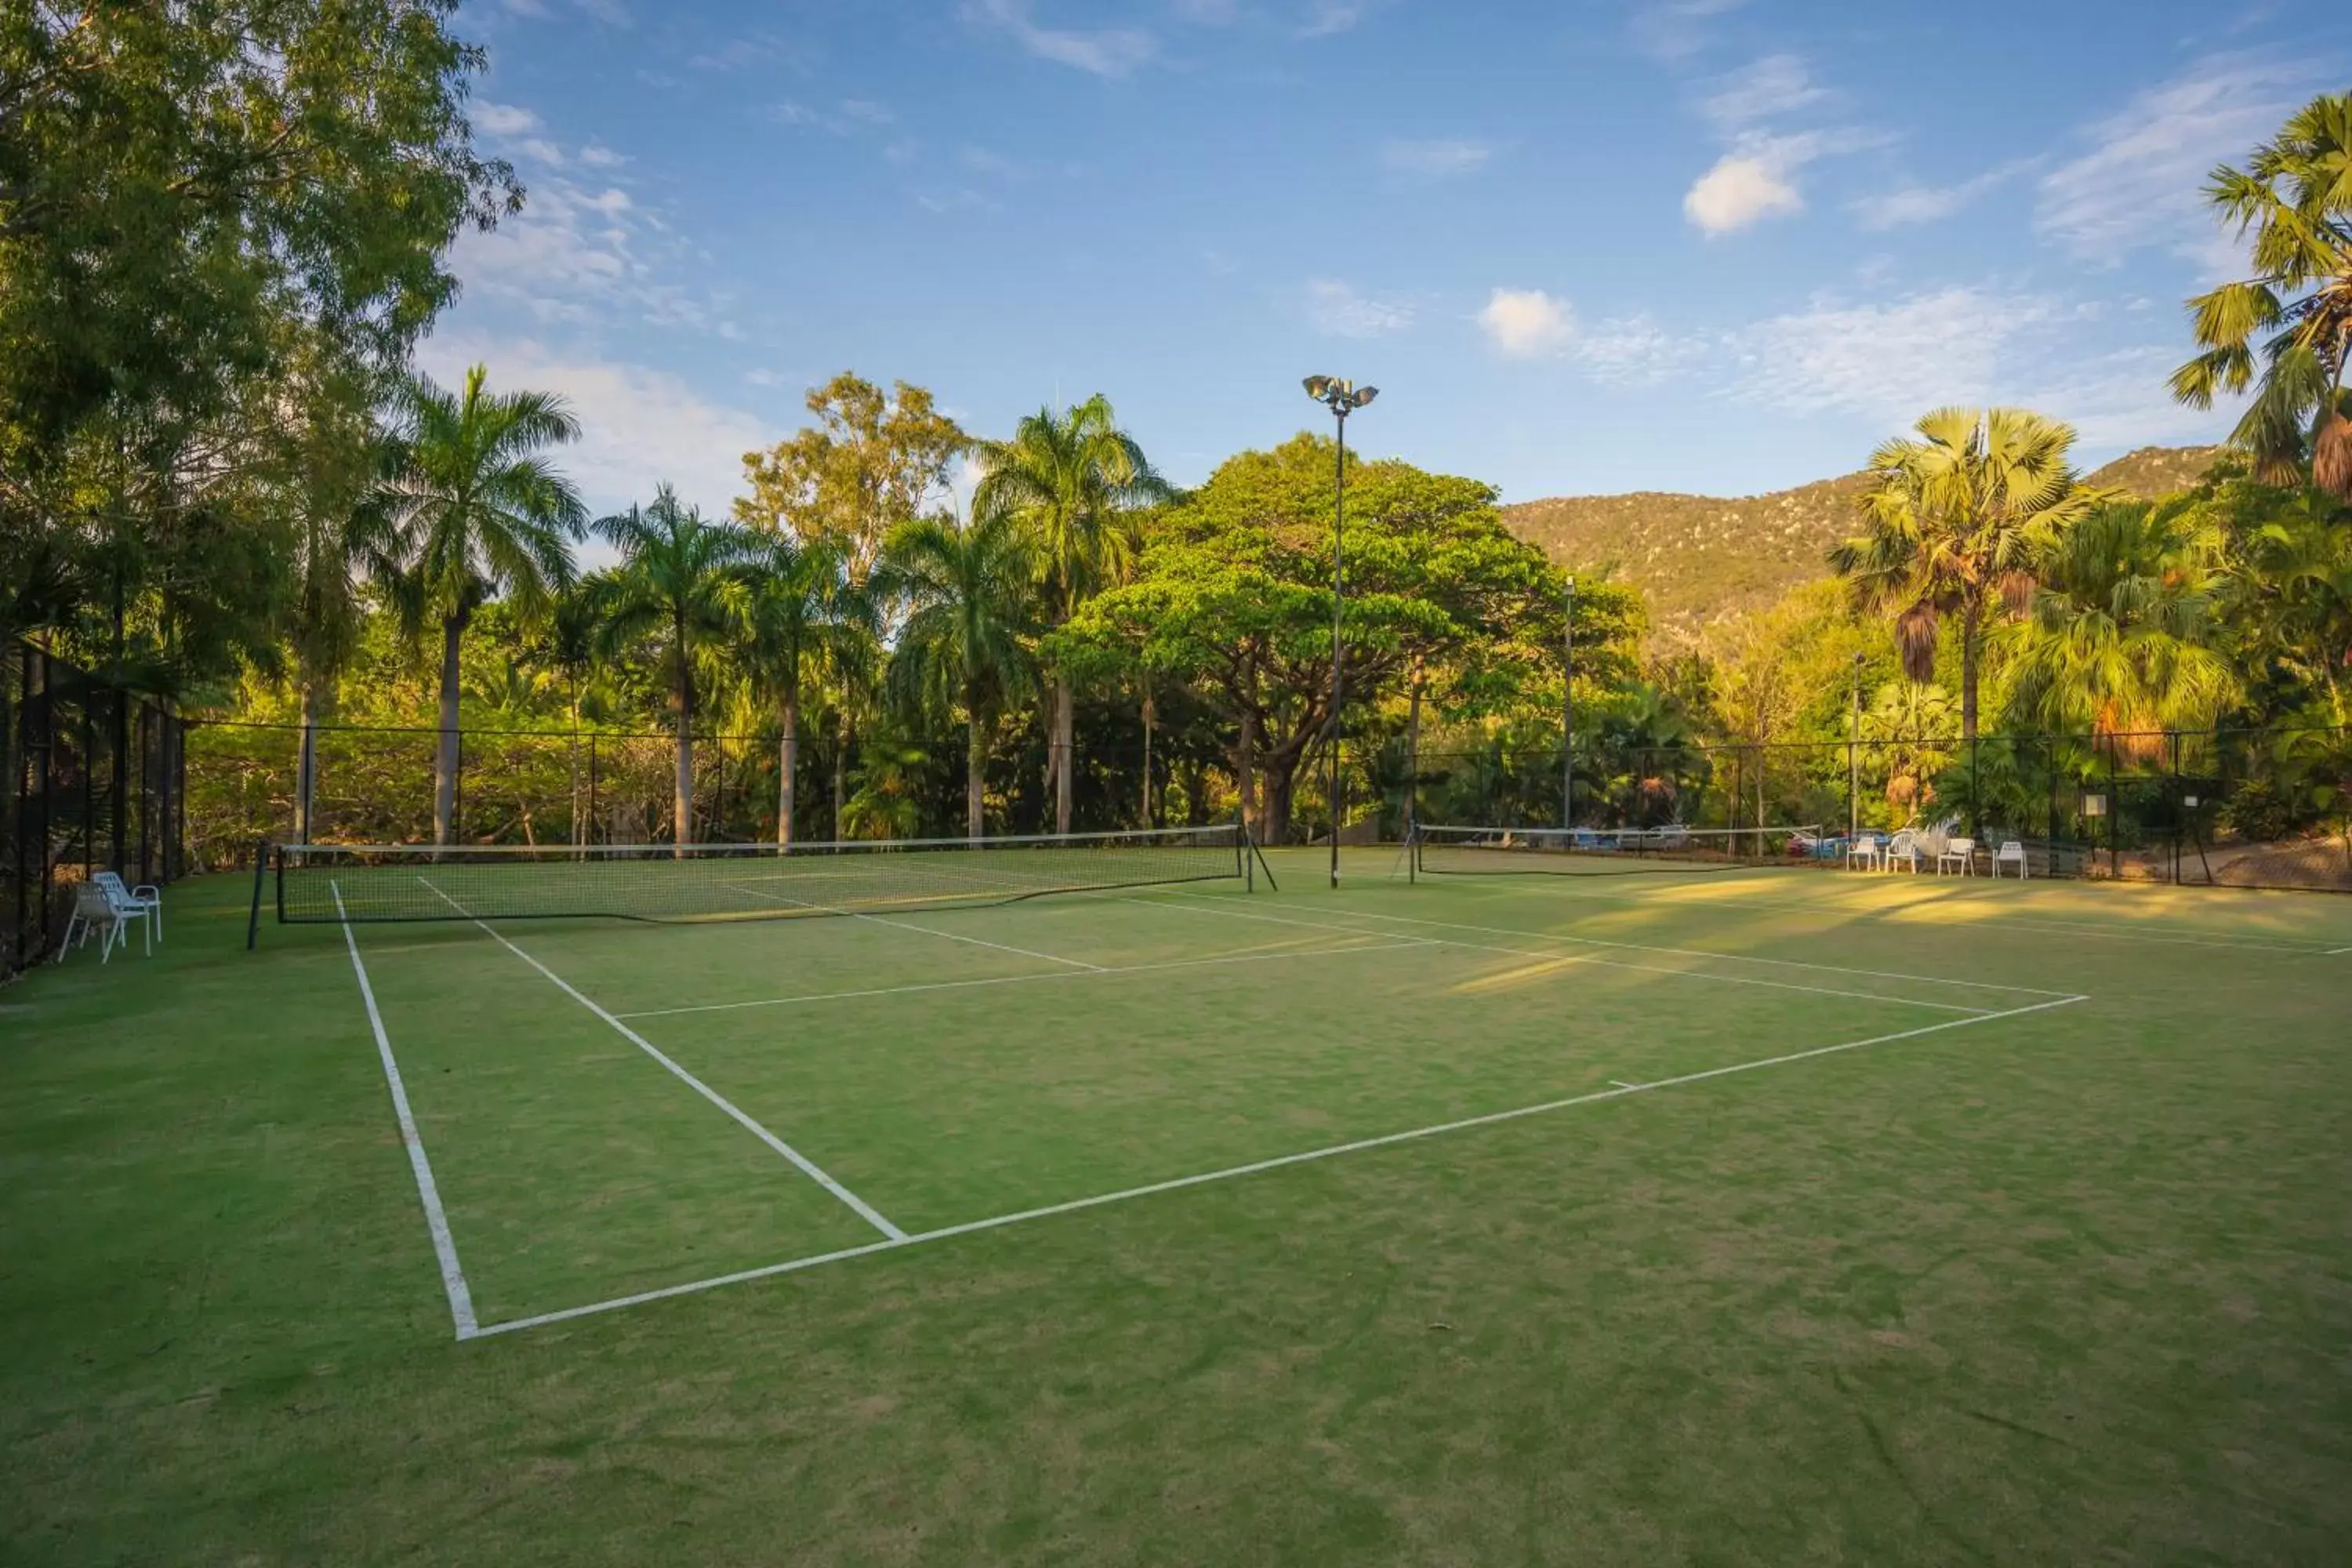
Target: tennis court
pixel 1753 1214
pixel 607 1111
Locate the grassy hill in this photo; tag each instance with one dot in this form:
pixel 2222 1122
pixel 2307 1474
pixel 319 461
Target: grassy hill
pixel 1704 560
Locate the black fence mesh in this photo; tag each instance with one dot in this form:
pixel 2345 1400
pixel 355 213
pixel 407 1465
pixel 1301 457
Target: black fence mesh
pixel 97 781
pixel 2264 808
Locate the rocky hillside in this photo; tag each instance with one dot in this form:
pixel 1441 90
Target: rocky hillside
pixel 1703 560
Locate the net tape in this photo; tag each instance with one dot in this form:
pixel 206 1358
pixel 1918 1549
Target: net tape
pixel 1456 850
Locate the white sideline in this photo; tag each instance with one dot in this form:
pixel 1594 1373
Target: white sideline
pixel 1215 909
pixel 807 1166
pixel 1329 1152
pixel 924 930
pixel 444 1245
pixel 1706 952
pixel 1374 946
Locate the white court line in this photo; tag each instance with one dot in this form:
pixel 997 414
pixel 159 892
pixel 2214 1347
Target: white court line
pixel 1329 1152
pixel 2108 928
pixel 807 1166
pixel 1050 975
pixel 925 931
pixel 444 1245
pixel 1215 908
pixel 1707 952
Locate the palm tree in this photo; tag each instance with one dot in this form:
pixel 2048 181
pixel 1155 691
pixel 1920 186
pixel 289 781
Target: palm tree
pixel 1071 480
pixel 341 541
pixel 795 597
pixel 969 595
pixel 2295 197
pixel 1953 523
pixel 1904 722
pixel 476 511
pixel 2122 642
pixel 679 581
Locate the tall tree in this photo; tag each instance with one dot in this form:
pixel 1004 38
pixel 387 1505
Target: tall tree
pixel 1073 482
pixel 872 461
pixel 679 582
pixel 969 593
pixel 2294 198
pixel 477 511
pixel 796 597
pixel 2125 639
pixel 1954 525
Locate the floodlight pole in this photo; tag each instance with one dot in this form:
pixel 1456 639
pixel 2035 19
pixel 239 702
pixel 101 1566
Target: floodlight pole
pixel 1342 398
pixel 1568 715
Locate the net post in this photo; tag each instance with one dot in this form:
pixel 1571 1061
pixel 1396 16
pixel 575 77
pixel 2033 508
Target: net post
pixel 253 918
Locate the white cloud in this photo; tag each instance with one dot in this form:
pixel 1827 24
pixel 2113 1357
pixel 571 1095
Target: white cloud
pixel 501 118
pixel 639 425
pixel 596 155
pixel 1104 52
pixel 2142 182
pixel 1771 87
pixel 1673 30
pixel 1527 323
pixel 1337 309
pixel 1328 18
pixel 1635 351
pixel 1892 362
pixel 1436 160
pixel 1741 189
pixel 981 161
pixel 1931 204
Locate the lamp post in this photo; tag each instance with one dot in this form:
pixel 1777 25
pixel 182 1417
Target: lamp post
pixel 1568 715
pixel 1342 398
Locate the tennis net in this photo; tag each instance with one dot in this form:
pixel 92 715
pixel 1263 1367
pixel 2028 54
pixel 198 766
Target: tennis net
pixel 320 883
pixel 1606 851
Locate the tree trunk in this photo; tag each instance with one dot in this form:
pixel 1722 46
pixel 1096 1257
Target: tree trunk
pixel 1149 715
pixel 306 776
pixel 1969 675
pixel 975 783
pixel 1245 774
pixel 1413 756
pixel 1065 727
pixel 788 758
pixel 683 828
pixel 444 764
pixel 1281 785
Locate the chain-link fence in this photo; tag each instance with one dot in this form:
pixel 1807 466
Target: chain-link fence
pixel 2243 809
pixel 95 782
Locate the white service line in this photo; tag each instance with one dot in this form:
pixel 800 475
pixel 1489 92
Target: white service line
pixel 444 1245
pixel 1375 946
pixel 1705 953
pixel 925 931
pixel 1218 909
pixel 807 1166
pixel 1329 1152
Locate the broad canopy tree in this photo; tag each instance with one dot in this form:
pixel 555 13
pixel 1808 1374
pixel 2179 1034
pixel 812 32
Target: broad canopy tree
pixel 1233 592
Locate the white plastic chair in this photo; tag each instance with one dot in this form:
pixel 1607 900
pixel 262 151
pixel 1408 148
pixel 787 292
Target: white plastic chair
pixel 1905 847
pixel 1958 852
pixel 95 910
pixel 143 903
pixel 1865 848
pixel 2010 853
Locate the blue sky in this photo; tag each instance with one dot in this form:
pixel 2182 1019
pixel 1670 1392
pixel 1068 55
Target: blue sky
pixel 1720 246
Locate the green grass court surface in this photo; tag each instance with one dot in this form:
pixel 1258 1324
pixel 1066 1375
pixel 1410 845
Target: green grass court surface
pixel 1766 1218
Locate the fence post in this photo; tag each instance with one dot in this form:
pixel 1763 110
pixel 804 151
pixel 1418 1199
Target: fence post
pixel 2115 824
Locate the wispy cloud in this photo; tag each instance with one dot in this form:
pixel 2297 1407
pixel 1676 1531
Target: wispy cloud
pixel 851 117
pixel 1773 87
pixel 1635 351
pixel 1436 160
pixel 1104 52
pixel 1339 310
pixel 501 118
pixel 1673 30
pixel 1326 18
pixel 1932 204
pixel 1527 323
pixel 2142 182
